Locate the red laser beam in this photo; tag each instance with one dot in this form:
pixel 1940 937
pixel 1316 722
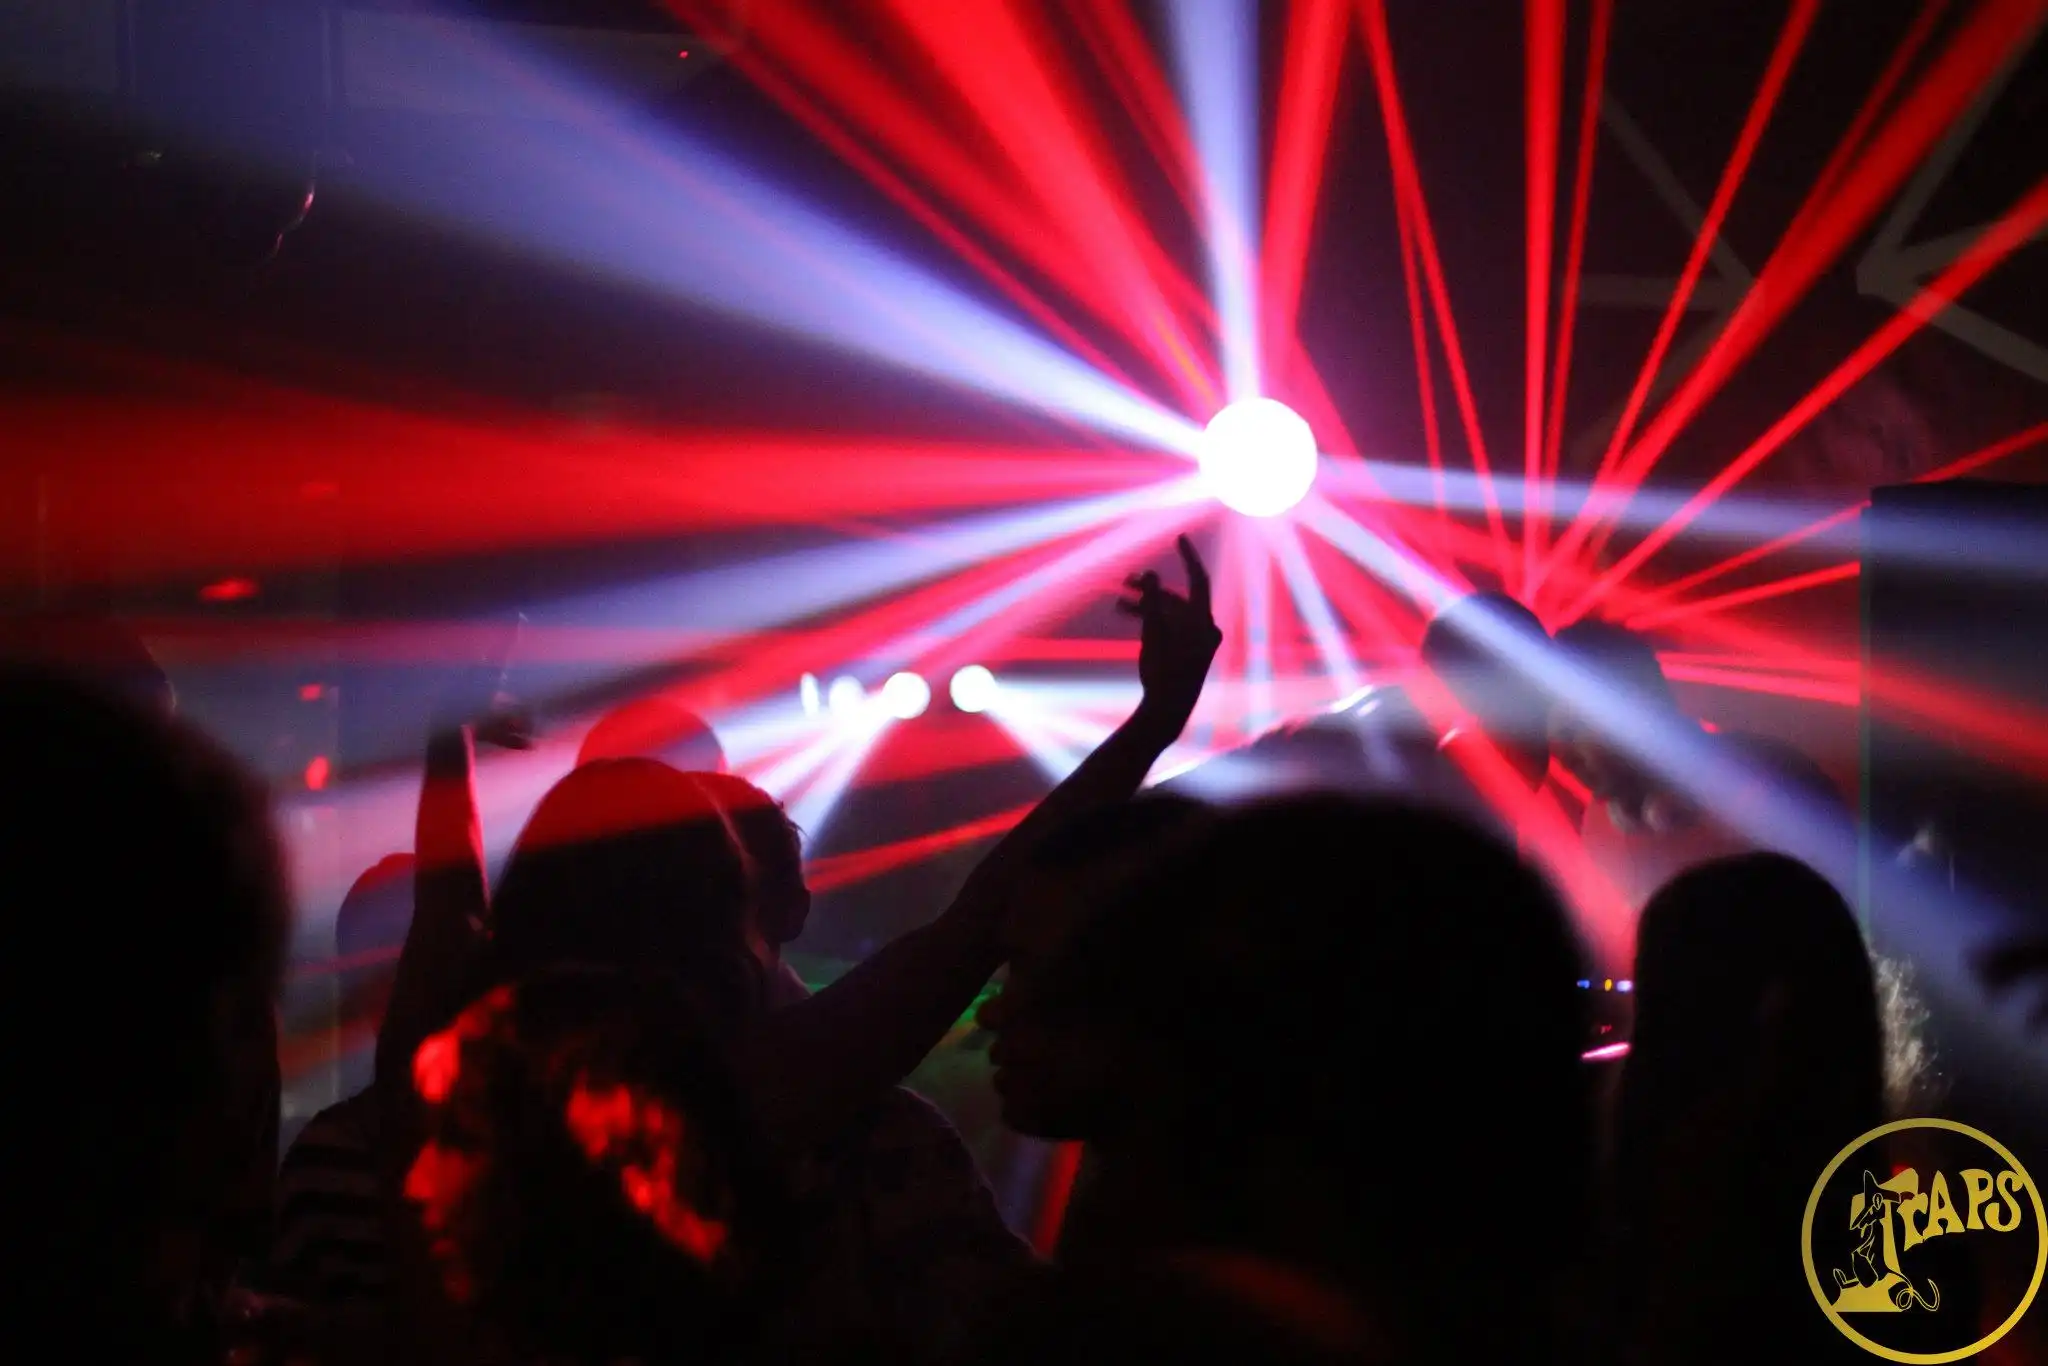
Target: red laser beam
pixel 1547 835
pixel 846 76
pixel 1310 65
pixel 844 870
pixel 1798 23
pixel 1062 1169
pixel 1575 255
pixel 2012 229
pixel 1798 261
pixel 1131 66
pixel 1679 587
pixel 834 135
pixel 1775 685
pixel 1955 469
pixel 1989 455
pixel 997 62
pixel 2000 731
pixel 1408 187
pixel 1895 68
pixel 1740 597
pixel 1425 376
pixel 1832 668
pixel 1543 98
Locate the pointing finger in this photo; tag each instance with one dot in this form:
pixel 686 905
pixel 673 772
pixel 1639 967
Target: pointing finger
pixel 1198 576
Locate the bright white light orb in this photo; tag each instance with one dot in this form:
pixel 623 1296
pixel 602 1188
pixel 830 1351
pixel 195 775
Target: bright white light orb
pixel 974 689
pixel 845 695
pixel 906 695
pixel 807 694
pixel 1258 457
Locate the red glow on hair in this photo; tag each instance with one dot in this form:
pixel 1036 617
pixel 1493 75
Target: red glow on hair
pixel 616 1121
pixel 437 1181
pixel 600 1120
pixel 438 1177
pixel 436 1066
pixel 318 770
pixel 229 590
pixel 437 1063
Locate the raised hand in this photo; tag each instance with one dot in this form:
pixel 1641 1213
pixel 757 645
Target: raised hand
pixel 506 725
pixel 1177 642
pixel 479 697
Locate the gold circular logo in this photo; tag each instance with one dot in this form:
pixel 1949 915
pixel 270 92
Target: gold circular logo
pixel 1912 1205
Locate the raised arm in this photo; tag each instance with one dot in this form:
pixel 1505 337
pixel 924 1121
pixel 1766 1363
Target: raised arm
pixel 1177 643
pixel 450 894
pixel 816 1063
pixel 449 898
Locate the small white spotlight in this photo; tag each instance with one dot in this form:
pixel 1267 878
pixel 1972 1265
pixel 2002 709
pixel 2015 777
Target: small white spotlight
pixel 906 695
pixel 1258 457
pixel 845 695
pixel 807 693
pixel 973 689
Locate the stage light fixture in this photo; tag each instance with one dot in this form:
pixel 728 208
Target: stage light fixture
pixel 1258 457
pixel 906 695
pixel 973 689
pixel 807 694
pixel 845 696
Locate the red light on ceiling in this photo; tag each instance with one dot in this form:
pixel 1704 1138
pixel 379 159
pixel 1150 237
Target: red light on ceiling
pixel 684 53
pixel 229 590
pixel 312 692
pixel 318 771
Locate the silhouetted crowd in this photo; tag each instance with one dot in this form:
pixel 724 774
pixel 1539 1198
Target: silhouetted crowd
pixel 607 1124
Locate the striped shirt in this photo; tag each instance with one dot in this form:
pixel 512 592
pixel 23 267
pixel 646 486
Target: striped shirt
pixel 330 1247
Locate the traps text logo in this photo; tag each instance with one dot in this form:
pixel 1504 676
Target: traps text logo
pixel 1924 1241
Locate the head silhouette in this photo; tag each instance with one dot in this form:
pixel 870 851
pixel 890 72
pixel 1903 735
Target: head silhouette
pixel 627 863
pixel 377 911
pixel 655 728
pixel 589 1183
pixel 1049 1072
pixel 774 850
pixel 369 931
pixel 1617 665
pixel 144 868
pixel 1481 648
pixel 1751 972
pixel 1320 992
pixel 1756 1055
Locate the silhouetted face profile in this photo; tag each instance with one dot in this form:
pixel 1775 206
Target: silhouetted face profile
pixel 1342 1032
pixel 1480 649
pixel 1618 666
pixel 1058 1072
pixel 774 848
